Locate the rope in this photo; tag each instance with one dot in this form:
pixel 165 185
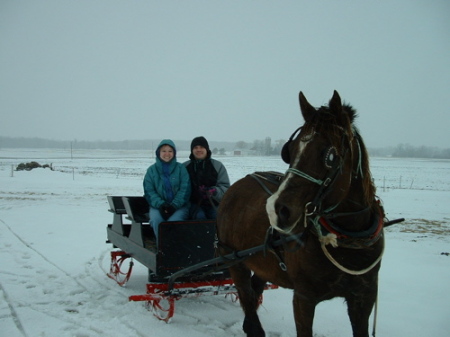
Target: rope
pixel 375 314
pixel 331 238
pixel 346 270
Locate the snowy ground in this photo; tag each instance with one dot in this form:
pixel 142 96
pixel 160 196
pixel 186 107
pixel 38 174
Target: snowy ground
pixel 53 256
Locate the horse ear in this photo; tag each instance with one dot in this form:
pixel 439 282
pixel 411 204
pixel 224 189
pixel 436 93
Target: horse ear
pixel 307 109
pixel 335 102
pixel 335 106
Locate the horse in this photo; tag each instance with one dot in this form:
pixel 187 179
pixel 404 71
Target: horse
pixel 326 204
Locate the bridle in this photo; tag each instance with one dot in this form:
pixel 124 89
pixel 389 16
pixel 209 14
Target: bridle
pixel 333 166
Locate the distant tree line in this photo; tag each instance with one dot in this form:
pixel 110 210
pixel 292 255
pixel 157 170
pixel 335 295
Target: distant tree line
pixel 147 144
pixel 409 151
pixel 264 147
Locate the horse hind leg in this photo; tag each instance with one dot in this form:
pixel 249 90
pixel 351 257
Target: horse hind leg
pixel 249 290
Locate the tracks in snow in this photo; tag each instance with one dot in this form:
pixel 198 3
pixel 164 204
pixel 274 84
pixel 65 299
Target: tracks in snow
pixel 33 285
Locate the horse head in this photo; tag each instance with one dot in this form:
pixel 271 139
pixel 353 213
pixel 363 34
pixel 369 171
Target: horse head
pixel 328 166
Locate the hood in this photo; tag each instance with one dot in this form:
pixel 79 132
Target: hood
pixel 202 142
pixel 166 142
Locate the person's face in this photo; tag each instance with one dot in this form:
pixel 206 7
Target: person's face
pixel 199 152
pixel 166 153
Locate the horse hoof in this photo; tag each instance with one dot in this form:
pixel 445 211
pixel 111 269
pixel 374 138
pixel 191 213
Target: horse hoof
pixel 252 330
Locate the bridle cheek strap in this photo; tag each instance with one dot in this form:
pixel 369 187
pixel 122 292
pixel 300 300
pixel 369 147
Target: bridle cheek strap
pixel 324 184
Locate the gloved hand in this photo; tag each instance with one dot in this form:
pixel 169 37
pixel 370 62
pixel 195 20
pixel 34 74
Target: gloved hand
pixel 207 192
pixel 166 210
pixel 171 209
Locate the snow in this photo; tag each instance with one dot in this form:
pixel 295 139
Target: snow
pixel 54 258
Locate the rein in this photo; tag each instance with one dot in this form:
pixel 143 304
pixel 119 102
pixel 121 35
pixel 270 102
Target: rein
pixel 225 261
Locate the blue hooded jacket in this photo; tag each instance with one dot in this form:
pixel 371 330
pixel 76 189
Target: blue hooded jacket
pixel 177 178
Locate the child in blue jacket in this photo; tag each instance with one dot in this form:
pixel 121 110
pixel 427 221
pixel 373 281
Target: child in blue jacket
pixel 167 187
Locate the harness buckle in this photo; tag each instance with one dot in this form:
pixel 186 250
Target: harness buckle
pixel 306 209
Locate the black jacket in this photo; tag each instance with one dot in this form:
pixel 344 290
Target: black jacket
pixel 210 173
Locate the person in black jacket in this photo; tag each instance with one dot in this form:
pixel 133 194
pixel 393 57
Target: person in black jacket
pixel 209 180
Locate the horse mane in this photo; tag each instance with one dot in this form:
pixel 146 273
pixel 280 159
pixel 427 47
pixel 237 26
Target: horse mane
pixel 366 175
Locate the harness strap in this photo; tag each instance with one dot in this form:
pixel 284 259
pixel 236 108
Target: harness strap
pixel 342 214
pixel 371 232
pixel 269 247
pixel 264 187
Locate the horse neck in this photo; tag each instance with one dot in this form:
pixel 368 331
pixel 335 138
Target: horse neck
pixel 360 202
pixel 355 212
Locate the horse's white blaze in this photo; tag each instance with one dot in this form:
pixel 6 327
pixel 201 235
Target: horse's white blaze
pixel 270 204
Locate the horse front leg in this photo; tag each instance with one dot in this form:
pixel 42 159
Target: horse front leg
pixel 359 310
pixel 249 299
pixel 304 309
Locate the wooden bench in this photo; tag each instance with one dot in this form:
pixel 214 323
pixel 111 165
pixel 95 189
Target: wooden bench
pixel 137 210
pixel 117 207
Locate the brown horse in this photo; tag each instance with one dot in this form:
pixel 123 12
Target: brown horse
pixel 326 201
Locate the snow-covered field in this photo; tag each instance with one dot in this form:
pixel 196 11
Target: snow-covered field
pixel 53 255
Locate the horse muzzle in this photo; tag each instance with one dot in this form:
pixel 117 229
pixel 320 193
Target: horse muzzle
pixel 283 217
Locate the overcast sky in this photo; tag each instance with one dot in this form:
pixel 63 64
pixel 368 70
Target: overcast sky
pixel 228 70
